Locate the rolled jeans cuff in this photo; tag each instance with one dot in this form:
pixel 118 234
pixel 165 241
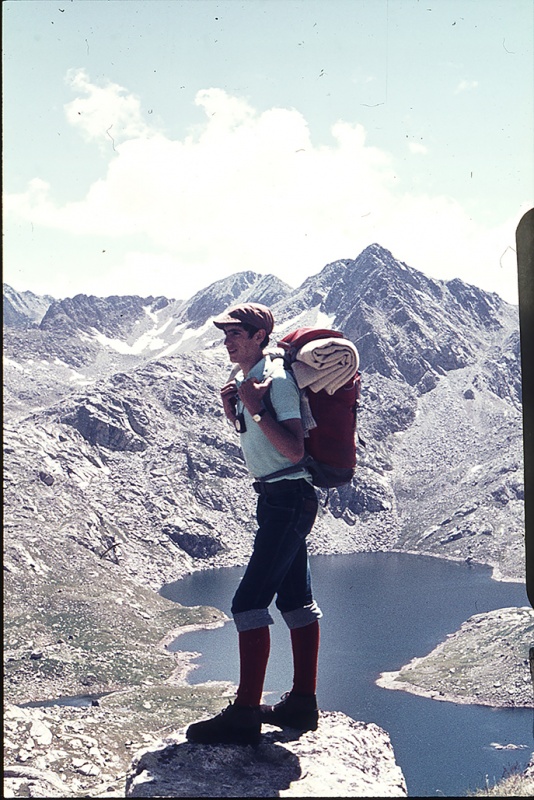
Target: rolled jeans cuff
pixel 301 617
pixel 255 618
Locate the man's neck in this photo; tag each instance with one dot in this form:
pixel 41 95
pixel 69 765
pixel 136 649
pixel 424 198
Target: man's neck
pixel 245 368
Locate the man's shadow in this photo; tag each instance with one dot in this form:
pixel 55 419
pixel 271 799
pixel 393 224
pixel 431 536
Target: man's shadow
pixel 184 769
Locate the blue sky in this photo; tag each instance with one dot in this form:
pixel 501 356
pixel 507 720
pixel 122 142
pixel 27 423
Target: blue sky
pixel 154 147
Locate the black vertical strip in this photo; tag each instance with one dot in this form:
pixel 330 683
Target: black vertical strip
pixel 525 271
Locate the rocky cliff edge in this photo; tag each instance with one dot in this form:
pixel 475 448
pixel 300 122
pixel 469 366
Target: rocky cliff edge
pixel 342 758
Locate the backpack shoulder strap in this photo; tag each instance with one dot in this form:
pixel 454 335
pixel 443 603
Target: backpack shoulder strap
pixel 308 421
pixel 268 403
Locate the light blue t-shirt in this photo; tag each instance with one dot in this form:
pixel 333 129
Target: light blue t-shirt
pixel 261 457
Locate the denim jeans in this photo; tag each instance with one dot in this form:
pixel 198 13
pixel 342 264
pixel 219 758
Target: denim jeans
pixel 279 562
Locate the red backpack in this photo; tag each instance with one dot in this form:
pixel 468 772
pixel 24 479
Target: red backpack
pixel 331 446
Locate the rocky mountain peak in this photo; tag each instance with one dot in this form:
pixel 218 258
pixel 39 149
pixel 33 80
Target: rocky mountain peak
pixel 21 309
pixel 112 316
pixel 406 325
pixel 243 287
pixel 409 325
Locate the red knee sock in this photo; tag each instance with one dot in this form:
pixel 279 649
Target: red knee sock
pixel 305 644
pixel 254 647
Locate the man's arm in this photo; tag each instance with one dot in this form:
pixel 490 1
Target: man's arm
pixel 286 436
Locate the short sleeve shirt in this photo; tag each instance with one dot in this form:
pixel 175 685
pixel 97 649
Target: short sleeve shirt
pixel 261 457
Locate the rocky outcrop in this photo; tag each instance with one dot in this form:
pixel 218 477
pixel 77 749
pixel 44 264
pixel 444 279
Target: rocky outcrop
pixel 343 758
pixel 196 545
pixel 64 751
pixel 48 754
pixel 110 422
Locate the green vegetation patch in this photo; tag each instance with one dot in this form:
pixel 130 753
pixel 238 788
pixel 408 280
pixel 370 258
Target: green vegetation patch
pixel 68 639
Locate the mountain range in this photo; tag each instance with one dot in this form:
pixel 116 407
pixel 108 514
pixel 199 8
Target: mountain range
pixel 114 404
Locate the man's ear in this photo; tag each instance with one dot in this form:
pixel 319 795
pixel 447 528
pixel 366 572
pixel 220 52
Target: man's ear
pixel 260 335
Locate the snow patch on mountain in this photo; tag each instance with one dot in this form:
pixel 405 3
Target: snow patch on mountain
pixel 10 362
pixel 309 318
pixel 148 341
pixel 152 314
pixel 190 333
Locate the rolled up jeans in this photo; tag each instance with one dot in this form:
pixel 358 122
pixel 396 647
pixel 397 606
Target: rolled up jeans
pixel 279 563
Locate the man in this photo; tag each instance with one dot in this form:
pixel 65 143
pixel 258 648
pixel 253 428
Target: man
pixel 271 440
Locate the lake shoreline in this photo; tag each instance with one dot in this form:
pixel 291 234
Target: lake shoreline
pixel 496 571
pixel 390 680
pixel 183 658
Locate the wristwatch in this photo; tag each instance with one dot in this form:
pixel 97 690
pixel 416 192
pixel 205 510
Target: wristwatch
pixel 257 417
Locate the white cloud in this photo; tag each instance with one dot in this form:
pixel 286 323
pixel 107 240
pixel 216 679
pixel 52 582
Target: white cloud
pixel 417 148
pixel 465 86
pixel 107 113
pixel 249 190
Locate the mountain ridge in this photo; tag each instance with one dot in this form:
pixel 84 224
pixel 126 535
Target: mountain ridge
pixel 368 298
pixel 124 372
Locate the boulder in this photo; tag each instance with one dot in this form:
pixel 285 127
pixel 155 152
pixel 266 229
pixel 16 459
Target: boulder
pixel 342 758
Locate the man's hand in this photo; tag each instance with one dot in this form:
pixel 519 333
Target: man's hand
pixel 229 400
pixel 251 392
pixel 287 437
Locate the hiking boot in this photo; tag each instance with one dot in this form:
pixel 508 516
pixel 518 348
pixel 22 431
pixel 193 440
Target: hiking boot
pixel 293 711
pixel 234 725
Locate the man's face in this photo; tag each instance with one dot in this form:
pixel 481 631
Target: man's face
pixel 242 348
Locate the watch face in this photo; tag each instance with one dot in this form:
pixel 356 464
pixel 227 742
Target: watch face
pixel 239 423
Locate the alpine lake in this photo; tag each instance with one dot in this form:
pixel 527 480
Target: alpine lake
pixel 381 610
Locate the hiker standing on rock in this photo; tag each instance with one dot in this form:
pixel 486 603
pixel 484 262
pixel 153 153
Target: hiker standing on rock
pixel 286 511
